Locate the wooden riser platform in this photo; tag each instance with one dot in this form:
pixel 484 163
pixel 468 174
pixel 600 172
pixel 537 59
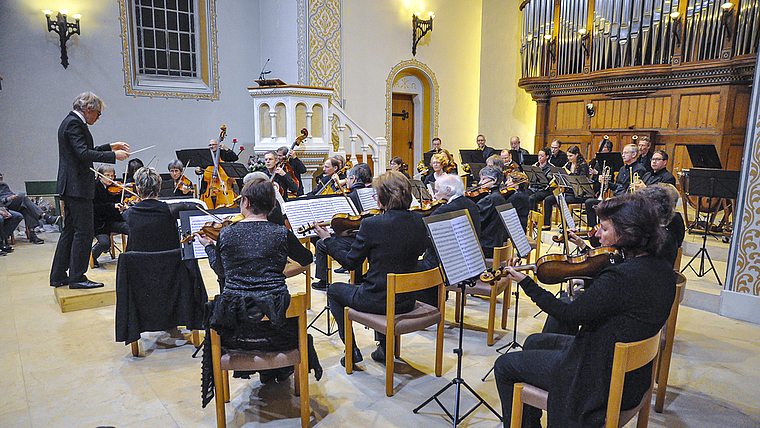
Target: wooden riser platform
pixel 75 300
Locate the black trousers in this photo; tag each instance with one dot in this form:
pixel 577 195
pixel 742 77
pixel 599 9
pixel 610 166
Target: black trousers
pixel 72 253
pixel 7 225
pixel 104 239
pixel 343 244
pixel 551 201
pixel 341 295
pixel 591 212
pixel 535 364
pixel 537 197
pixel 28 209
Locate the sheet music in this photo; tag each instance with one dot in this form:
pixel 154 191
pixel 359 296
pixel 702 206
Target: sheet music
pixel 303 212
pixel 367 198
pixel 458 247
pixel 569 222
pixel 515 230
pixel 196 222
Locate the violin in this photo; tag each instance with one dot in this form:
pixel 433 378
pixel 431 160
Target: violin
pixel 477 192
pixel 184 185
pixel 428 207
pixel 341 223
pixel 557 268
pixel 212 229
pixel 113 188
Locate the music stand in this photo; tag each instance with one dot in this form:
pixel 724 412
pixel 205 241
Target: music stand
pixel 462 262
pixel 191 221
pixel 508 215
pixel 582 186
pixel 529 159
pixel 710 183
pixel 235 170
pixel 427 156
pixel 197 157
pixel 614 160
pixel 420 192
pixel 472 156
pixel 703 156
pixel 536 176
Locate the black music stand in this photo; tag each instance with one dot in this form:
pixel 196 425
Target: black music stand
pixel 420 192
pixel 236 171
pixel 536 176
pixel 614 160
pixel 441 228
pixel 704 156
pixel 530 159
pixel 710 183
pixel 196 157
pixel 582 187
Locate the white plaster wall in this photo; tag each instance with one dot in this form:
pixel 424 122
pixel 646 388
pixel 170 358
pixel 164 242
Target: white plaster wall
pixel 279 39
pixel 377 36
pixel 37 91
pixel 505 109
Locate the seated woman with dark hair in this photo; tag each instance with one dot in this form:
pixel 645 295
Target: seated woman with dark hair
pixel 251 256
pixel 152 227
pixel 576 166
pixel 626 302
pixel 392 242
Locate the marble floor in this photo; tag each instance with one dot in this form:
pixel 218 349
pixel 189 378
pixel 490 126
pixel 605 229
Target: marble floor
pixel 66 370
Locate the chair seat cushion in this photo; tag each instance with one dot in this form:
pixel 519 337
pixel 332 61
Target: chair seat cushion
pixel 534 396
pixel 257 360
pixel 532 242
pixel 423 315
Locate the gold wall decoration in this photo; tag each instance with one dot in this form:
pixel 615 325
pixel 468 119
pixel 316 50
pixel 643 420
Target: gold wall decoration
pixel 430 91
pixel 302 30
pixel 324 38
pixel 207 87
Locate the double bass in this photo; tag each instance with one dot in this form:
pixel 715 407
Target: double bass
pixel 219 191
pixel 285 165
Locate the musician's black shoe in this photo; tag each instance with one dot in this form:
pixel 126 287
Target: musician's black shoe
pixel 95 264
pixel 86 284
pixel 59 284
pixel 379 354
pixel 35 240
pixel 319 285
pixel 52 219
pixel 341 270
pixel 357 356
pixel 6 248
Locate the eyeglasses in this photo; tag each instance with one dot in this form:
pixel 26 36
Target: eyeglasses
pixel 658 159
pixel 99 113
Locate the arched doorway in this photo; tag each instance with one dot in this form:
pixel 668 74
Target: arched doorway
pixel 411 110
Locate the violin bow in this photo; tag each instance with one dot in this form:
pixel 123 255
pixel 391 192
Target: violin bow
pixel 340 189
pixel 216 217
pixel 123 187
pixel 176 186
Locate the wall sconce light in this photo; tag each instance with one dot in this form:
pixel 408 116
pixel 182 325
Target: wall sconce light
pixel 675 18
pixel 420 27
pixel 727 17
pixel 64 29
pixel 551 46
pixel 590 110
pixel 585 41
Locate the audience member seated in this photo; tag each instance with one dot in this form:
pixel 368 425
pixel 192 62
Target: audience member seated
pixel 392 243
pixel 251 255
pixel 626 302
pixel 29 210
pixel 151 224
pixel 107 209
pixel 9 220
pixel 491 226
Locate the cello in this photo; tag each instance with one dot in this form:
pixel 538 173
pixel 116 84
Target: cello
pixel 219 191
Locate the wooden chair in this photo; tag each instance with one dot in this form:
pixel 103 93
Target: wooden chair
pixel 306 243
pixel 535 223
pixel 393 325
pixel 255 360
pixel 113 248
pixel 503 286
pixel 628 357
pixel 666 345
pixel 677 264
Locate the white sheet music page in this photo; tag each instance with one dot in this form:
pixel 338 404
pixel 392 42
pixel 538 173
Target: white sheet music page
pixel 196 222
pixel 515 230
pixel 302 212
pixel 368 198
pixel 458 248
pixel 566 211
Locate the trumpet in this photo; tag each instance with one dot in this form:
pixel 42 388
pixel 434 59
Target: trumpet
pixel 421 168
pixel 604 178
pixel 634 181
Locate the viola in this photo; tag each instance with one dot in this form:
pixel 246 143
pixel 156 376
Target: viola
pixel 341 223
pixel 557 268
pixel 212 229
pixel 218 184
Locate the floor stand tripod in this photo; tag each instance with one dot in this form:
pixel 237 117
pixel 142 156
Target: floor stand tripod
pixel 513 344
pixel 330 321
pixel 458 381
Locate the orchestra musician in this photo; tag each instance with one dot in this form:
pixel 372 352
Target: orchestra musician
pixel 645 152
pixel 182 185
pixel 557 157
pixel 438 164
pixel 626 302
pixel 487 151
pixel 397 164
pixel 296 165
pixel 514 143
pixel 225 155
pixel 275 216
pixel 277 174
pixel 577 166
pixel 107 208
pixel 435 147
pixel 329 177
pixel 539 193
pixel 152 227
pixel 132 166
pixel 498 162
pixel 659 172
pixel 254 283
pixel 605 146
pixel 622 181
pixel 392 243
pixel 516 189
pixel 358 177
pixel 491 227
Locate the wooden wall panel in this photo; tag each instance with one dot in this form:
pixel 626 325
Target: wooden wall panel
pixel 569 115
pixel 699 111
pixel 741 110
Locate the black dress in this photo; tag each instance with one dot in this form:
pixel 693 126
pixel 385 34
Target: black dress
pixel 151 227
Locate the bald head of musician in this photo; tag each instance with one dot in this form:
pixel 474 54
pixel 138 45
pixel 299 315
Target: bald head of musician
pixel 506 157
pixel 394 191
pixel 448 186
pixel 630 154
pixel 514 143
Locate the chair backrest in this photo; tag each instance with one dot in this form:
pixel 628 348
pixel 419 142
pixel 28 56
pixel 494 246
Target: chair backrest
pixel 501 255
pixel 297 305
pixel 535 223
pixel 406 282
pixel 628 357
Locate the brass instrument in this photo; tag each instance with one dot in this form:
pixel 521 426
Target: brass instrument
pixel 604 178
pixel 422 168
pixel 634 181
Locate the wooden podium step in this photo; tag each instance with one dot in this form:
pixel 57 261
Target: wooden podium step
pixel 75 300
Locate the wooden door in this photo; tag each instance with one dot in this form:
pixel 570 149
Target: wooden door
pixel 402 126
